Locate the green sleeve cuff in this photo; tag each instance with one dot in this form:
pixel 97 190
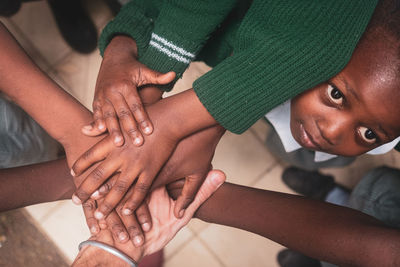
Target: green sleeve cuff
pixel 131 21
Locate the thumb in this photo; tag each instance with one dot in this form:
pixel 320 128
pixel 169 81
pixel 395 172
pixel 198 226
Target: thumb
pixel 148 76
pixel 213 181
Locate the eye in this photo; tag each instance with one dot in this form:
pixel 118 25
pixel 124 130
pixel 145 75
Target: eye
pixel 335 95
pixel 367 135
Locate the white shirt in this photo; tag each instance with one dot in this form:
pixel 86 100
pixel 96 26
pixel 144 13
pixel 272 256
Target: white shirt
pixel 279 117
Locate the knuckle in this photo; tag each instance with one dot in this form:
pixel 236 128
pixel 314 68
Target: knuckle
pixel 97 174
pixel 137 106
pixel 89 205
pixel 133 230
pixel 121 187
pixel 132 131
pixel 123 113
pixel 106 207
pixel 109 114
pixel 142 188
pixel 81 194
pixel 87 155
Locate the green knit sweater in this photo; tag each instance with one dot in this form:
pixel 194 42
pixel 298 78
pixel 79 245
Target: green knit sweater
pixel 262 55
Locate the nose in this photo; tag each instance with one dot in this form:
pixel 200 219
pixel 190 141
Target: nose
pixel 334 128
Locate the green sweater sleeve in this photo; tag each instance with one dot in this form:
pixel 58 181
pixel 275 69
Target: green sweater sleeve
pixel 181 30
pixel 133 20
pixel 172 40
pixel 283 48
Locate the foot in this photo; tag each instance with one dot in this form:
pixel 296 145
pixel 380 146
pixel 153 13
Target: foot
pixel 308 183
pixel 75 24
pixel 291 258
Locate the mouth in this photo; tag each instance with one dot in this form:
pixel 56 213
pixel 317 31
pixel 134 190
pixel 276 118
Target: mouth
pixel 307 140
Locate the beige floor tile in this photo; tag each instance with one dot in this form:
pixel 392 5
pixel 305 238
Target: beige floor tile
pixel 240 248
pixel 41 211
pixel 79 72
pixel 67 227
pixel 193 254
pixel 36 22
pixel 180 240
pixel 26 44
pixel 271 180
pixel 260 129
pixel 242 157
pixel 196 225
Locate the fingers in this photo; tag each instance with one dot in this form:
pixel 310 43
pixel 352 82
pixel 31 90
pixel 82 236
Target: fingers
pixel 95 154
pixel 112 124
pixel 144 217
pixel 115 195
pixel 93 181
pixel 136 107
pixel 92 130
pixel 99 122
pixel 214 180
pixel 117 227
pixel 140 191
pixel 88 209
pixel 148 76
pixel 190 188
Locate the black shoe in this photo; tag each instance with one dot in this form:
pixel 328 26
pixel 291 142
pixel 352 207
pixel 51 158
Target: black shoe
pixel 114 6
pixel 291 258
pixel 9 7
pixel 75 24
pixel 308 183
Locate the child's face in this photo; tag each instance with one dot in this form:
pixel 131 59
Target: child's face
pixel 355 111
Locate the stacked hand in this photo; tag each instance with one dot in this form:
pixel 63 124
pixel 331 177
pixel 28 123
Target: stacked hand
pixel 126 168
pixel 166 225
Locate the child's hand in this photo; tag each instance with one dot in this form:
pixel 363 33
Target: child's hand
pixel 117 102
pixel 191 160
pixel 140 164
pixel 130 227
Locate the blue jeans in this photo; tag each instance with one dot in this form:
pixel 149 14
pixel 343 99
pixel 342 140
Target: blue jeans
pixel 22 140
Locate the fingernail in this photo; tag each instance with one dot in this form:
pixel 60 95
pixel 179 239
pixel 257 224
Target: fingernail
pixel 76 200
pixel 101 126
pixel 98 215
pixel 127 212
pixel 94 229
pixel 137 240
pixel 146 227
pixel 181 213
pixel 122 236
pixel 147 130
pixel 87 127
pixel 73 173
pixel 216 180
pixel 117 139
pixel 137 141
pixel 96 194
pixel 102 189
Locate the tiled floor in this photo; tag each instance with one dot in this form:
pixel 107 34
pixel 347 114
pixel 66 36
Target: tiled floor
pixel 244 158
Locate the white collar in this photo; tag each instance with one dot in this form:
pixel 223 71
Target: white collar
pixel 279 117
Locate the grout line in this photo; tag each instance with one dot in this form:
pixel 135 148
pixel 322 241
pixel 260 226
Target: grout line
pixel 50 212
pixel 179 248
pixel 216 257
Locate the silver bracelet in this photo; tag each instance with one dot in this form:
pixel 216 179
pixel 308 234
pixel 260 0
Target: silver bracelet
pixel 109 249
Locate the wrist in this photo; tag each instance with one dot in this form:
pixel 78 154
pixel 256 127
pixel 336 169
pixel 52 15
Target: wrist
pixel 121 45
pixel 182 114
